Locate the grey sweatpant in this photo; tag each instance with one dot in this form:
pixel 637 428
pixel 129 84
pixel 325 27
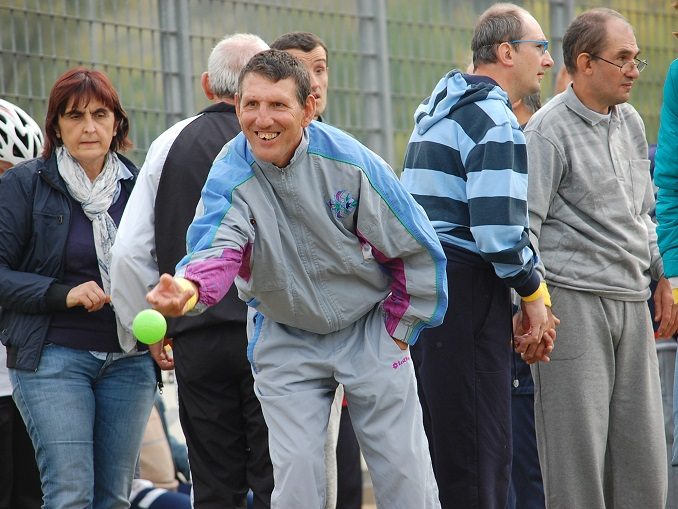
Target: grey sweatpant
pixel 295 375
pixel 598 407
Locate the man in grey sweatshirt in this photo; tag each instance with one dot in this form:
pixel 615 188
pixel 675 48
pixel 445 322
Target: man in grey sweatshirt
pixel 598 403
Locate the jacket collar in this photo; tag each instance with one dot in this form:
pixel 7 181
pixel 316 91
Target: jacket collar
pixel 588 115
pixel 50 172
pixel 299 152
pixel 219 107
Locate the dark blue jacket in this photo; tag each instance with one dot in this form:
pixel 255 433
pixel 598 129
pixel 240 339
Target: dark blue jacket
pixel 35 212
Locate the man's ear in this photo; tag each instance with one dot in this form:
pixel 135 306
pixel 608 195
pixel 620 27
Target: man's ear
pixel 309 111
pixel 505 54
pixel 584 63
pixel 206 87
pixel 237 105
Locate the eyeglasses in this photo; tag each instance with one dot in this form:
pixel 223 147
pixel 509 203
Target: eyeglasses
pixel 543 45
pixel 627 66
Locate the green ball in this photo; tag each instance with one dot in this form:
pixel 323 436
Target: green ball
pixel 149 326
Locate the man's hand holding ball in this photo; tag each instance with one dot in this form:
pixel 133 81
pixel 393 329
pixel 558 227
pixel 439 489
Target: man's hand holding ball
pixel 173 296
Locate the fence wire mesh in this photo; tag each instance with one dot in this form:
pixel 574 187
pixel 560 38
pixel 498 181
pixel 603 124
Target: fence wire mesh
pixel 385 55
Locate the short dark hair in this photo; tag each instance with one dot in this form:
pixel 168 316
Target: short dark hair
pixel 500 23
pixel 304 41
pixel 587 34
pixel 82 85
pixel 277 65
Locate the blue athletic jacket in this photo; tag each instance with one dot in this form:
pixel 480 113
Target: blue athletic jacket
pixel 317 244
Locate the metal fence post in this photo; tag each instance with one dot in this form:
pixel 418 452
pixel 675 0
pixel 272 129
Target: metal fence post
pixel 562 12
pixel 177 71
pixel 376 78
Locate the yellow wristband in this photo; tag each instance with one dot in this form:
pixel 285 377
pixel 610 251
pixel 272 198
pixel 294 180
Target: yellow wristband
pixel 543 292
pixel 534 296
pixel 675 295
pixel 187 285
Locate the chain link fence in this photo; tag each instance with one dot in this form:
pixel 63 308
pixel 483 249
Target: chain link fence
pixel 385 55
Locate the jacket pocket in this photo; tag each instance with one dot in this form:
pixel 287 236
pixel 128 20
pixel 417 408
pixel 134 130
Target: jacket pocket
pixel 46 246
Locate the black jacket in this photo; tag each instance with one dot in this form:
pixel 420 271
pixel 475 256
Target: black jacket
pixel 35 212
pixel 183 176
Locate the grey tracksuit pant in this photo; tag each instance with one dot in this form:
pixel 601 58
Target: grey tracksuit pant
pixel 598 408
pixel 295 374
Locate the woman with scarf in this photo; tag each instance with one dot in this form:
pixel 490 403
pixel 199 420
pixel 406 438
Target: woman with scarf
pixel 84 391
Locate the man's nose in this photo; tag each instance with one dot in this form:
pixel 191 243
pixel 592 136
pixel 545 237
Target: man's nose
pixel 264 118
pixel 547 61
pixel 315 81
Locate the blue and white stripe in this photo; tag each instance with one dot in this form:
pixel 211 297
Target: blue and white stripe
pixel 466 164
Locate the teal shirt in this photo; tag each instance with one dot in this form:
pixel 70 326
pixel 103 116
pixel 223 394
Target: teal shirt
pixel 666 174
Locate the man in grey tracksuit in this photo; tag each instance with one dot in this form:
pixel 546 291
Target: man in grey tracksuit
pixel 598 408
pixel 341 270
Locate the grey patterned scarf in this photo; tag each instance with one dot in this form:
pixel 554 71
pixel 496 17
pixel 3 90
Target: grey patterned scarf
pixel 96 198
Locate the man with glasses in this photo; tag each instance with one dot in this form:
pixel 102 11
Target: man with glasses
pixel 598 404
pixel 466 164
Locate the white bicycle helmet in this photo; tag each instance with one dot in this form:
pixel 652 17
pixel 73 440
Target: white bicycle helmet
pixel 20 136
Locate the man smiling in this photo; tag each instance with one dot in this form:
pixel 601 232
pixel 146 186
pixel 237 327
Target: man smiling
pixel 271 119
pixel 341 270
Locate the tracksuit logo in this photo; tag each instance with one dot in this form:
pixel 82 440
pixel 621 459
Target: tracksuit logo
pixel 342 204
pixel 402 361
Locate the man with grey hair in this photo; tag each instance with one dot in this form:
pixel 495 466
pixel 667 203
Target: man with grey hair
pixel 219 412
pixel 598 407
pixel 466 164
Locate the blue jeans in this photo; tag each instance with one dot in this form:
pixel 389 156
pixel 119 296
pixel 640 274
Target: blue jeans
pixel 86 418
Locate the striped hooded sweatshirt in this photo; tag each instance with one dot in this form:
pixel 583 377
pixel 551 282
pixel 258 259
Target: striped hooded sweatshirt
pixel 317 244
pixel 466 164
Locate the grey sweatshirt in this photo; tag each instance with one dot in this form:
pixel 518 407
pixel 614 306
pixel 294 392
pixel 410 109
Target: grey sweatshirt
pixel 589 198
